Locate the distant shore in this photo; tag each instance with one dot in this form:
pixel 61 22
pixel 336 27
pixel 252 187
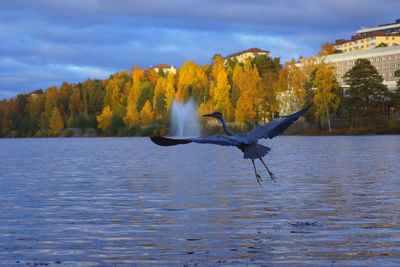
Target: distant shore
pixel 298 129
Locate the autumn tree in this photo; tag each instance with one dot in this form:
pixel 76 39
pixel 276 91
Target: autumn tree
pixel 292 80
pixel 4 125
pixel 326 95
pixel 326 49
pixel 51 99
pixel 132 115
pixel 269 96
pixel 63 98
pixel 146 114
pixel 248 82
pixel 104 119
pixel 220 89
pixel 169 91
pixel 152 76
pixel 36 105
pixel 56 122
pixel 116 88
pixel 190 82
pixel 159 98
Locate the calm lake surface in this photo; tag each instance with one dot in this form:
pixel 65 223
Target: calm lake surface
pixel 88 201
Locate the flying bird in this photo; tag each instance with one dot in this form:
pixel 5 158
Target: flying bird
pixel 246 142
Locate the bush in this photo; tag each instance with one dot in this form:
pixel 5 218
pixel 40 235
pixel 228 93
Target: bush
pixel 69 133
pixel 147 131
pixel 393 123
pixel 39 134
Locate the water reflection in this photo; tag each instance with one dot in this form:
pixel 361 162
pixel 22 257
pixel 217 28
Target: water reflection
pixel 126 201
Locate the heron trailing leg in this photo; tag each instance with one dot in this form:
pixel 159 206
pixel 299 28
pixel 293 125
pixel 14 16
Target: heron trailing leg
pixel 270 173
pixel 259 180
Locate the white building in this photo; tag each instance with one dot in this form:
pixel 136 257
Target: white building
pixel 386 60
pixel 165 68
pixel 390 28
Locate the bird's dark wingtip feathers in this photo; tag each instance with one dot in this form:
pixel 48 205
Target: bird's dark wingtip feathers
pixel 164 141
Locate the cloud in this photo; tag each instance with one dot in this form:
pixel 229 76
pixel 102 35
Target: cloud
pixel 46 42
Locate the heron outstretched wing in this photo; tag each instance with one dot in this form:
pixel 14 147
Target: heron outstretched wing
pixel 221 140
pixel 275 127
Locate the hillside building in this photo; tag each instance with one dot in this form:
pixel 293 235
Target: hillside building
pixel 244 55
pixel 385 59
pixel 369 40
pixel 165 68
pixel 390 28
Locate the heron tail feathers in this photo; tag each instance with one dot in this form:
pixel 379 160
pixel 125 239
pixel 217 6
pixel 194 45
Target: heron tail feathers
pixel 164 141
pixel 255 152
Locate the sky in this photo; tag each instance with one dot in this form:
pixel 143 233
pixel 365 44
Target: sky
pixel 47 42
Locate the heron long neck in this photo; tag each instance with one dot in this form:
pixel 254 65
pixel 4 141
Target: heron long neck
pixel 228 132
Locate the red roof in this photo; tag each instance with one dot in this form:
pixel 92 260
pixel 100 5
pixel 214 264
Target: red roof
pixel 340 41
pixel 251 50
pixel 163 66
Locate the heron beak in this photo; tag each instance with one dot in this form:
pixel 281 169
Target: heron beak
pixel 207 115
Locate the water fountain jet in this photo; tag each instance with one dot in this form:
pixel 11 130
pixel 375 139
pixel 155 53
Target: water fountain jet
pixel 184 121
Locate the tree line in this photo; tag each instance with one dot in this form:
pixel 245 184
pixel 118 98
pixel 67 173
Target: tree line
pixel 139 101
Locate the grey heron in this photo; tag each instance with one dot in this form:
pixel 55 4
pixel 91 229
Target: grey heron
pixel 246 142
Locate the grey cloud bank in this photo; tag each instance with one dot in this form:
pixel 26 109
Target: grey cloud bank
pixel 43 43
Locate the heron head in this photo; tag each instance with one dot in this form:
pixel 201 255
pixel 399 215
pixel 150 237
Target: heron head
pixel 217 115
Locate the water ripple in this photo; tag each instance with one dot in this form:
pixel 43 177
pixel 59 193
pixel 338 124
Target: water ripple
pixel 91 201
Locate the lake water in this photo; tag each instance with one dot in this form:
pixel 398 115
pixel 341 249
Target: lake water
pixel 90 201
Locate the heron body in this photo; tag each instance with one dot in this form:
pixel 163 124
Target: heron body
pixel 246 142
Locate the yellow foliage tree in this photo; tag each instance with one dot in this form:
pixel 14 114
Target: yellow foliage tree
pixel 132 115
pixel 220 89
pixel 191 81
pixel 248 82
pixel 56 121
pixel 326 49
pixel 147 114
pixel 169 91
pixel 159 98
pixel 326 94
pixel 206 108
pixel 292 79
pixel 269 96
pixel 104 119
pixel 137 75
pixel 51 100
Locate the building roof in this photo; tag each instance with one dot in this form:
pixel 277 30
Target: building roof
pixel 364 53
pixel 381 27
pixel 163 66
pixel 251 50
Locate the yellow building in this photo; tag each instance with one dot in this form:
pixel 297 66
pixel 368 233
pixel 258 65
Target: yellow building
pixel 364 42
